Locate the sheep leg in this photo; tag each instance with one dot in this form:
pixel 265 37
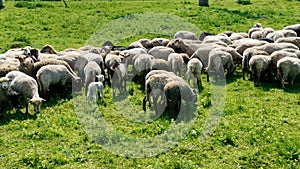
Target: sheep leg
pixel 144 103
pixel 207 76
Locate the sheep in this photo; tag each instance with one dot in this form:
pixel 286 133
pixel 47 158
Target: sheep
pixel 91 71
pixel 281 33
pixel 287 67
pixel 272 47
pixel 217 61
pixel 48 49
pixel 175 61
pixel 119 77
pixel 259 66
pixel 95 90
pixel 143 63
pixel 293 40
pixel 248 53
pixel 242 44
pixel 26 87
pixel 194 68
pixel 159 42
pixel 156 82
pixel 146 43
pixel 185 35
pixel 203 35
pixel 160 64
pixel 217 39
pixel 131 53
pixel 295 51
pixel 4 83
pixel 26 64
pixel 202 53
pixel 277 55
pixel 172 99
pixel 161 52
pixel 266 31
pixel 255 27
pixel 55 74
pixel 295 27
pixel 7 66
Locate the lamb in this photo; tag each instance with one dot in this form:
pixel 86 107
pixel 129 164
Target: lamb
pixel 160 64
pixel 185 35
pixel 259 66
pixel 26 87
pixel 295 27
pixel 161 52
pixel 194 68
pixel 176 62
pixel 217 61
pixel 293 40
pixel 95 90
pixel 288 67
pixel 248 53
pixel 91 71
pixel 56 74
pixel 119 78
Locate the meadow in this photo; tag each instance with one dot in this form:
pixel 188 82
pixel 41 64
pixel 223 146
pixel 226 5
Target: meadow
pixel 235 126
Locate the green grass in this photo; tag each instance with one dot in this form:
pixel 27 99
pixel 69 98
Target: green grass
pixel 259 127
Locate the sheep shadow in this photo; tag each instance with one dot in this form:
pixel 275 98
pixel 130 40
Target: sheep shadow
pixel 6 116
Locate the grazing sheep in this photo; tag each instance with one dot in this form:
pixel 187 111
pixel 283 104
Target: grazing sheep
pixel 295 51
pixel 217 39
pixel 219 60
pixel 202 53
pixel 26 64
pixel 95 90
pixel 287 67
pixel 272 47
pixel 91 71
pixel 156 82
pixel 277 55
pixel 295 27
pixel 175 61
pixel 131 53
pixel 6 66
pixel 242 44
pixel 248 53
pixel 119 77
pixel 185 35
pixel 280 34
pixel 255 27
pixel 48 49
pixel 203 35
pixel 194 68
pixel 267 31
pixel 146 43
pixel 293 40
pixel 161 52
pixel 259 66
pixel 172 99
pixel 182 46
pixel 55 74
pixel 26 87
pixel 159 42
pixel 142 63
pixel 160 64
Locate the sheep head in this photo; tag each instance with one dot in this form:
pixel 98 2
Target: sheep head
pixel 36 102
pixel 4 83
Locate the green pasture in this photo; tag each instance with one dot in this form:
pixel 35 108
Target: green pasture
pixel 258 127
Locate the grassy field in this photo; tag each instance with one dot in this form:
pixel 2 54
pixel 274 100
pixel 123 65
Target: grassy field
pixel 258 127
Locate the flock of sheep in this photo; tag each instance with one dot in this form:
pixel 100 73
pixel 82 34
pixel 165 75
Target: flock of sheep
pixel 26 74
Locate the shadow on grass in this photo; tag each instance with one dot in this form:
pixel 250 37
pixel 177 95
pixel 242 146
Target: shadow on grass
pixel 7 116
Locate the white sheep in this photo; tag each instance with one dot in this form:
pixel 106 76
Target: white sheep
pixel 95 90
pixel 281 33
pixel 161 52
pixel 288 67
pixel 272 47
pixel 142 63
pixel 160 64
pixel 176 62
pixel 91 71
pixel 295 27
pixel 277 55
pixel 56 74
pixel 194 69
pixel 217 39
pixel 259 66
pixel 26 87
pixel 219 60
pixel 242 44
pixel 293 40
pixel 185 35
